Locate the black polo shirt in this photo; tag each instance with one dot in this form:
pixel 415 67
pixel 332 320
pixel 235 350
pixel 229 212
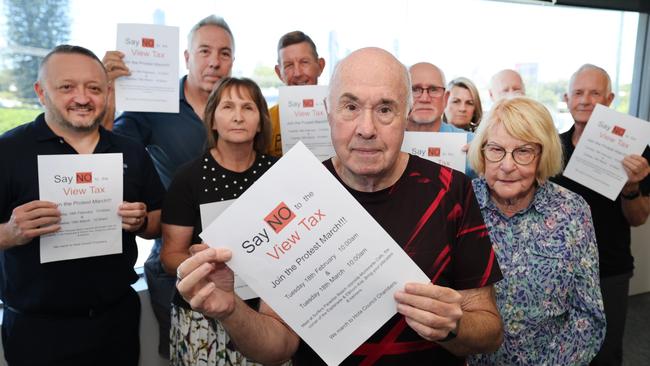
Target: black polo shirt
pixel 68 285
pixel 612 229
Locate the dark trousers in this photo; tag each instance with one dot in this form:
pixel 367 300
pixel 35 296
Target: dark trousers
pixel 161 291
pixel 615 291
pixel 108 337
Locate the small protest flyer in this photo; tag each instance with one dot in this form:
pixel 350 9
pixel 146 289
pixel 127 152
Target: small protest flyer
pixel 209 212
pixel 303 118
pixel 88 190
pixel 608 137
pixel 151 54
pixel 314 254
pixel 443 148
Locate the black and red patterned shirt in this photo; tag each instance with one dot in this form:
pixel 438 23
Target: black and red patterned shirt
pixel 431 212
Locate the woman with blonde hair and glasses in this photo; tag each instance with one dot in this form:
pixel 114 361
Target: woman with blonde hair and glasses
pixel 543 238
pixel 462 104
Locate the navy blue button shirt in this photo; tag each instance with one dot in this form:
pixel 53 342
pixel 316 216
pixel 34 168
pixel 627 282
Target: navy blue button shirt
pixel 172 139
pixel 72 284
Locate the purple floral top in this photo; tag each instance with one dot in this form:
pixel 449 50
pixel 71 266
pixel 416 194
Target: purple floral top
pixel 549 297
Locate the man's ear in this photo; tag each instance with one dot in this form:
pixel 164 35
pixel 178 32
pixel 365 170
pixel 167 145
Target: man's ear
pixel 610 99
pixel 186 54
pixel 446 98
pixel 565 98
pixel 40 92
pixel 321 65
pixel 278 72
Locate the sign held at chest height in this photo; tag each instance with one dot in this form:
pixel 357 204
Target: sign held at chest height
pixel 309 249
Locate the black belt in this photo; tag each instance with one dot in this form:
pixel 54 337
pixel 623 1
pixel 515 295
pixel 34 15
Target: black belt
pixel 86 312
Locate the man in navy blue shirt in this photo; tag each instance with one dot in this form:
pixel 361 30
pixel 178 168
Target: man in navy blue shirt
pixel 80 311
pixel 173 139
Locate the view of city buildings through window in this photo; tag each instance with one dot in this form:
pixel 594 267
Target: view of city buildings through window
pixel 470 38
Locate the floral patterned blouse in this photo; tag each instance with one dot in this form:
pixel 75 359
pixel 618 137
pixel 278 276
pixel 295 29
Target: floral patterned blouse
pixel 549 298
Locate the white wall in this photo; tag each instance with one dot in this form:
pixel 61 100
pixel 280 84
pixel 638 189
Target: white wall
pixel 641 250
pixel 149 334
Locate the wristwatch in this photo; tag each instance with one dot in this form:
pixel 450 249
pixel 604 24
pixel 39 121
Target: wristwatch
pixel 631 196
pixel 451 335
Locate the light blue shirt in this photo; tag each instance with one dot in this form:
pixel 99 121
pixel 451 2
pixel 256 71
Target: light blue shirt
pixel 447 127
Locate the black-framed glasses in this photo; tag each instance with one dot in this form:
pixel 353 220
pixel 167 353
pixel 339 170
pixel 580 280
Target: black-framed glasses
pixel 434 91
pixel 523 155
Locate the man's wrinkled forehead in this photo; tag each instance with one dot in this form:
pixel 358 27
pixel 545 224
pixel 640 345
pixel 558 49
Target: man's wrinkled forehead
pixel 426 74
pixel 348 90
pixel 208 34
pixel 369 72
pixel 589 79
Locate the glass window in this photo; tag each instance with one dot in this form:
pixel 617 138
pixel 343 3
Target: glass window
pixel 471 38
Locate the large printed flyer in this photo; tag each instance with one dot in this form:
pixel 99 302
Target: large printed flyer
pixel 303 118
pixel 209 212
pixel 314 254
pixel 151 54
pixel 608 137
pixel 88 190
pixel 444 148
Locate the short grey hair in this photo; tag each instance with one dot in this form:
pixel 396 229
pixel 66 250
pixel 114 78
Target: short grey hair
pixel 439 70
pixel 66 49
pixel 587 67
pixel 210 20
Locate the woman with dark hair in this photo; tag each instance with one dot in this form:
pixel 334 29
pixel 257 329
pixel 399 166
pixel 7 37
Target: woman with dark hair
pixel 237 121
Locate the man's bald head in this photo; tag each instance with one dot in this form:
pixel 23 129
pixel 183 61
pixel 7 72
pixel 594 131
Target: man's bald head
pixel 428 82
pixel 505 84
pixel 430 69
pixel 369 99
pixel 371 65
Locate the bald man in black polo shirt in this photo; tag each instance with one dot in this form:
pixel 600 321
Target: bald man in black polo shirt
pixel 612 219
pixel 429 210
pixel 81 311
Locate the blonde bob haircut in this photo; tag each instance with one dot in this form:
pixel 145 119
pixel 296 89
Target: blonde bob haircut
pixel 526 120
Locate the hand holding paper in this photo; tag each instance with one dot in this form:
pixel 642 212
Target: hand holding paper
pixel 208 286
pixel 636 167
pixel 314 255
pixel 609 139
pixel 115 67
pixel 87 189
pixel 28 221
pixel 432 311
pixel 206 283
pixel 133 215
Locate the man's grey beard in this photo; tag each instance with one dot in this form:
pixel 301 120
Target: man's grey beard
pixel 69 126
pixel 421 122
pixel 58 118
